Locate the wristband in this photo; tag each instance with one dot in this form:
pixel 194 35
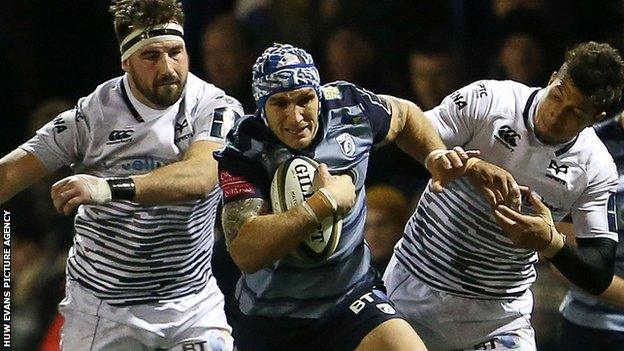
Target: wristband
pixel 306 206
pixel 122 188
pixel 433 153
pixel 329 199
pixel 557 240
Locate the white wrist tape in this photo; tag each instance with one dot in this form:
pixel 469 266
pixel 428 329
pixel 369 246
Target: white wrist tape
pixel 97 187
pixel 328 196
pixel 434 154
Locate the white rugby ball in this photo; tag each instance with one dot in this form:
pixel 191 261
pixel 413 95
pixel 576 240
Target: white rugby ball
pixel 291 185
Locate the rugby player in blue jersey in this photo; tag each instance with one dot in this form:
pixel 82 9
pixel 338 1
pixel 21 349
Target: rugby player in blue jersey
pixel 336 303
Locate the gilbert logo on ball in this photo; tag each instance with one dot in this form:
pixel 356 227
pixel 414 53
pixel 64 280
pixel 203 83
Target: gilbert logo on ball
pixel 291 185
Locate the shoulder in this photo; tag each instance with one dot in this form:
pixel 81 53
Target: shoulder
pixel 342 93
pixel 201 95
pixel 491 97
pixel 94 106
pixel 247 136
pixel 594 157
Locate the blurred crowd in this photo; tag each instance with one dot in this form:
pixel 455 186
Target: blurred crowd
pixel 415 49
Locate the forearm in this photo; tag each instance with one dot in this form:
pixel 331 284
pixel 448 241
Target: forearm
pixel 188 179
pixel 614 294
pixel 19 170
pixel 589 266
pixel 264 239
pixel 418 137
pixel 178 182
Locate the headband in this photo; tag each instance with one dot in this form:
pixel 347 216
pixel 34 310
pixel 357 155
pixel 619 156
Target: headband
pixel 144 36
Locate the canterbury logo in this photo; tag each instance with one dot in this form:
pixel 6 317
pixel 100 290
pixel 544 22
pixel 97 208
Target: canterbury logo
pixel 179 127
pixel 555 167
pixel 509 135
pixel 120 136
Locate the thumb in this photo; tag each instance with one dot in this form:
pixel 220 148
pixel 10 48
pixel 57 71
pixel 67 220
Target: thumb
pixel 323 171
pixel 436 185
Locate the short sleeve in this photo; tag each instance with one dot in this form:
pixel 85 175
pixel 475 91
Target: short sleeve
pixel 215 120
pixel 58 143
pixel 377 111
pixel 594 213
pixel 460 113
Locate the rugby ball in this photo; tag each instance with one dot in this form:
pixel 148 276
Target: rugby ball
pixel 291 185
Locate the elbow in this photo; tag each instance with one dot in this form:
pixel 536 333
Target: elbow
pixel 245 262
pixel 248 261
pixel 204 188
pixel 601 284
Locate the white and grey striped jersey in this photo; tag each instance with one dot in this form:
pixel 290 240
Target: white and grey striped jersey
pixel 125 252
pixel 452 240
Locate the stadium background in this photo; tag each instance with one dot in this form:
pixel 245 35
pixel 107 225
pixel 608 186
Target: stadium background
pixel 53 52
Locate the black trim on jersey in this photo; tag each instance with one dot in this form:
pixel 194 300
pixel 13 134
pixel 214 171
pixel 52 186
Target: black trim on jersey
pixel 527 107
pixel 470 292
pixel 126 99
pixel 566 148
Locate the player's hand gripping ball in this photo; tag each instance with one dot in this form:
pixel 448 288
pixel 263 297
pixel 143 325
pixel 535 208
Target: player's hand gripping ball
pixel 291 185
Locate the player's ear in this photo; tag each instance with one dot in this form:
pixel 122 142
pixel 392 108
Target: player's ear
pixel 125 65
pixel 553 76
pixel 600 116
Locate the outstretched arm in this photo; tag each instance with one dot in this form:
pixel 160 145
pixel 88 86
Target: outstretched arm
pixel 193 177
pixel 417 136
pixel 18 170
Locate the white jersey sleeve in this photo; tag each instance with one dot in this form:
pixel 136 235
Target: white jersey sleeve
pixel 594 213
pixel 59 142
pixel 214 119
pixel 461 113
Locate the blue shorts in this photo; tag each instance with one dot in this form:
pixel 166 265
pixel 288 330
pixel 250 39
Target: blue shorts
pixel 341 328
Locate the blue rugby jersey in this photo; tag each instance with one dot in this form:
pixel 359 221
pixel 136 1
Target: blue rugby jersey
pixel 352 121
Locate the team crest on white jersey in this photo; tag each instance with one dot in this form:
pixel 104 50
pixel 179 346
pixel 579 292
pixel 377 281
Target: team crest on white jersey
pixel 557 172
pixel 347 145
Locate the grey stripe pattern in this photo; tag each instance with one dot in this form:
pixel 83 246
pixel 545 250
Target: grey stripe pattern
pixel 132 254
pixel 454 244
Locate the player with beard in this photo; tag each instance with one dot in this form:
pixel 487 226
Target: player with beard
pixel 138 274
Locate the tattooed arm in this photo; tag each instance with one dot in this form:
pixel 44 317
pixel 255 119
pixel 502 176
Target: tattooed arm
pixel 256 238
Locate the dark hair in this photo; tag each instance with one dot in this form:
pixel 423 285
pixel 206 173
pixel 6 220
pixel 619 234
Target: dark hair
pixel 597 70
pixel 132 14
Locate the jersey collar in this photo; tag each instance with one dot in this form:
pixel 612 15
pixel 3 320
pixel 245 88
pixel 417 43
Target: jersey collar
pixel 139 110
